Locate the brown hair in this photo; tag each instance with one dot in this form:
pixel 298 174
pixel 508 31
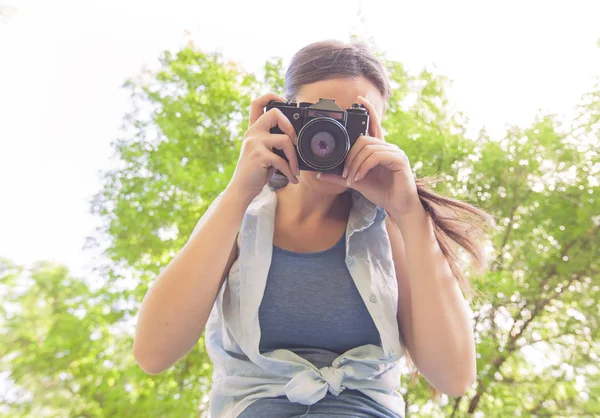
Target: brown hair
pixel 455 223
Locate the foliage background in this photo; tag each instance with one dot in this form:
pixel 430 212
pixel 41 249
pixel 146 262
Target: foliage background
pixel 65 341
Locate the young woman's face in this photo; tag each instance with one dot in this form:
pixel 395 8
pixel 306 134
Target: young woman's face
pixel 344 92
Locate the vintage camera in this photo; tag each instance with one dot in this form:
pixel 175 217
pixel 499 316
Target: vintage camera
pixel 326 132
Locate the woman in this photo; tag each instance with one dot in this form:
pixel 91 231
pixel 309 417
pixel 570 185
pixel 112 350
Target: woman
pixel 331 279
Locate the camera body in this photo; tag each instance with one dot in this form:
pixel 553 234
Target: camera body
pixel 325 131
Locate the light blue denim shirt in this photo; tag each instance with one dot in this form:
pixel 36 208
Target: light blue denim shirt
pixel 242 375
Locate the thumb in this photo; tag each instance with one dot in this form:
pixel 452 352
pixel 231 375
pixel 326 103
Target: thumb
pixel 332 178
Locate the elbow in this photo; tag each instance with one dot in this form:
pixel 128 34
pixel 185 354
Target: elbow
pixel 463 377
pixel 149 368
pixel 458 390
pixel 149 364
pixel 460 386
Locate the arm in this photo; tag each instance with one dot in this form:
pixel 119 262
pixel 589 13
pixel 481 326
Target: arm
pixel 177 305
pixel 433 316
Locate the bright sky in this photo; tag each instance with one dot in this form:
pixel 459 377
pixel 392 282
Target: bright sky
pixel 62 64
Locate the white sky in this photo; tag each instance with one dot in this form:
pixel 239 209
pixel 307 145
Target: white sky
pixel 62 64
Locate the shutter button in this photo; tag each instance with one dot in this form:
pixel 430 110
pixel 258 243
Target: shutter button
pixel 373 298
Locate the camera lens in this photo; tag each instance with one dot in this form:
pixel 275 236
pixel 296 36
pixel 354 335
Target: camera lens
pixel 323 143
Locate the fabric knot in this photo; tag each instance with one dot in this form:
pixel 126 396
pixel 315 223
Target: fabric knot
pixel 310 386
pixel 333 376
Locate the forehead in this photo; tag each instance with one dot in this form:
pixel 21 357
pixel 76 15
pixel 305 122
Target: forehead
pixel 344 91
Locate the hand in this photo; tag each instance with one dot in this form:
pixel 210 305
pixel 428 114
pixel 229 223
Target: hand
pixel 257 160
pixel 382 170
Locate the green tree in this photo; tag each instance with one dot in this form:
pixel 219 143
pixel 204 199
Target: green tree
pixel 66 343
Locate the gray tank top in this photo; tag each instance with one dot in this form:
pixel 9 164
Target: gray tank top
pixel 312 307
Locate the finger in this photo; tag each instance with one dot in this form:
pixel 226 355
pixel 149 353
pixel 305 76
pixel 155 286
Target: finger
pixel 375 129
pixel 284 142
pixel 355 150
pixel 258 105
pixel 332 178
pixel 273 160
pixel 362 157
pixel 372 160
pixel 273 118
